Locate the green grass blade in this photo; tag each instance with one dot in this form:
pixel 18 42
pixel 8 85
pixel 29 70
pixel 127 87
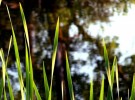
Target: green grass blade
pixel 70 86
pixel 27 74
pixel 5 97
pixel 31 80
pixel 8 81
pixel 112 71
pixel 1 88
pixel 17 58
pixel 45 83
pixel 9 47
pixel 36 91
pixel 54 55
pixel 132 97
pixel 102 90
pixel 91 90
pixel 24 25
pixel 107 64
pixel 117 79
pixel 10 88
pixel 3 66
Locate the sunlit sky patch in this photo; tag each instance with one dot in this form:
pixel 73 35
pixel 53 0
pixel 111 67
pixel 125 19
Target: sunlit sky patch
pixel 122 26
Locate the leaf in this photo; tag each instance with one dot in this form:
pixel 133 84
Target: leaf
pixel 70 86
pixel 54 56
pixel 45 83
pixel 27 74
pixel 3 66
pixel 1 88
pixel 10 88
pixel 107 64
pixel 24 25
pixel 17 57
pixel 117 79
pixel 36 91
pixel 5 97
pixel 132 97
pixel 91 91
pixel 31 79
pixel 102 90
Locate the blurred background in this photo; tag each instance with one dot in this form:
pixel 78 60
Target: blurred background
pixel 90 21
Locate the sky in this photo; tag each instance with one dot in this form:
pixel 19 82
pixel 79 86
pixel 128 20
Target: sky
pixel 122 26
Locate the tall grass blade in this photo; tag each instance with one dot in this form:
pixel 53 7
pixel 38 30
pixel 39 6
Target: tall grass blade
pixel 3 66
pixel 45 83
pixel 112 71
pixel 27 74
pixel 117 79
pixel 9 47
pixel 91 90
pixel 24 25
pixel 36 92
pixel 70 86
pixel 54 56
pixel 102 90
pixel 5 97
pixel 17 58
pixel 1 88
pixel 8 81
pixel 132 97
pixel 107 64
pixel 31 80
pixel 10 88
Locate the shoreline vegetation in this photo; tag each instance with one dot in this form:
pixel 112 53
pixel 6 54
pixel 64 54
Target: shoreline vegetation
pixel 29 91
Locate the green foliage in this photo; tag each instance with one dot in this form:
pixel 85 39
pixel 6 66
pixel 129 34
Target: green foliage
pixel 132 97
pixel 70 86
pixel 45 83
pixel 102 90
pixel 91 91
pixel 31 89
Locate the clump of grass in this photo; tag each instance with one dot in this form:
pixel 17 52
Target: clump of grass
pixel 31 89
